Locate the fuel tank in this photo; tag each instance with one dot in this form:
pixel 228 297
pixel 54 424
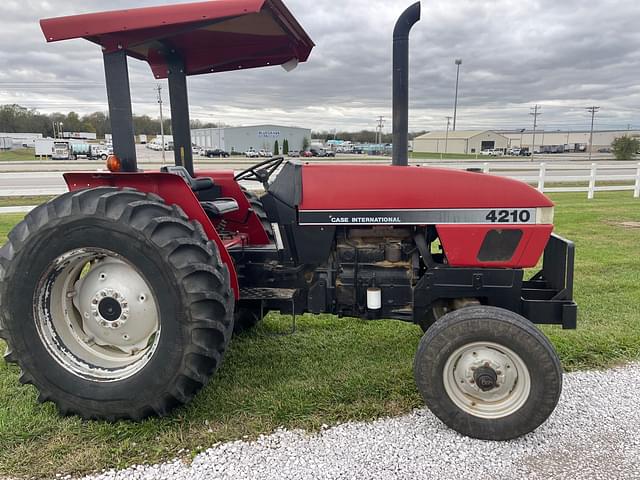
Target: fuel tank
pixel 482 220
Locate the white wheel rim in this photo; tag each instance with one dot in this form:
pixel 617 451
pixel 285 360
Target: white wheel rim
pixel 512 380
pixel 96 315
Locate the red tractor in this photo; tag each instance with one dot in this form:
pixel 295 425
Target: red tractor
pixel 120 298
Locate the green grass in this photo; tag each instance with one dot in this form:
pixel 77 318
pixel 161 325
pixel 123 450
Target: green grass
pixel 332 370
pixel 23 201
pixel 21 155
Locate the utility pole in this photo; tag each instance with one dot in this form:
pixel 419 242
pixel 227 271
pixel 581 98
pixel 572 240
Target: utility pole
pixel 446 140
pixel 536 113
pixel 592 110
pixel 159 89
pixel 379 130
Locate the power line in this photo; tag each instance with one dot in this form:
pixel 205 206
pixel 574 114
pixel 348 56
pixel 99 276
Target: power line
pixel 536 113
pixel 593 110
pixel 446 141
pixel 379 130
pixel 159 89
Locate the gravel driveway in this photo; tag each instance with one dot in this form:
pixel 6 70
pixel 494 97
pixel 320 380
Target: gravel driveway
pixel 594 434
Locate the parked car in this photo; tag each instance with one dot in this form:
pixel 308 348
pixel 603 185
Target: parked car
pixel 265 154
pixel 217 153
pixel 514 152
pixel 251 154
pixel 604 150
pixel 307 154
pixel 494 152
pixel 294 153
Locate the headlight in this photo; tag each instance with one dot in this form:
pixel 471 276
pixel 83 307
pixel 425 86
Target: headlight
pixel 544 216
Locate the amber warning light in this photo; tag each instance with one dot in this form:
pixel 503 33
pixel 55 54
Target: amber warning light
pixel 114 164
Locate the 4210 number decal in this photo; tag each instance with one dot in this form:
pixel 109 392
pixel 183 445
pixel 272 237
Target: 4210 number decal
pixel 509 216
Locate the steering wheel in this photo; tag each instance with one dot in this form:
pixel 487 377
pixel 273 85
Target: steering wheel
pixel 261 172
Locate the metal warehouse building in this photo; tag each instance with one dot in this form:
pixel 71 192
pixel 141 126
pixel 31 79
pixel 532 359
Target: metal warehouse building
pixel 461 141
pixel 241 139
pixel 601 139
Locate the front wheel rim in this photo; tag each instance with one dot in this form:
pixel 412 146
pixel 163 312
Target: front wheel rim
pixel 487 380
pixel 96 315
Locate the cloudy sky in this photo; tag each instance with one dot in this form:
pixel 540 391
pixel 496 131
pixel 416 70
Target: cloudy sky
pixel 565 55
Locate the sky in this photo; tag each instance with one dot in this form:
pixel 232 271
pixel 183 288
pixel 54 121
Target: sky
pixel 564 55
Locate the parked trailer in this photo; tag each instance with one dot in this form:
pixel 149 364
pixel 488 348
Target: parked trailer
pixel 44 147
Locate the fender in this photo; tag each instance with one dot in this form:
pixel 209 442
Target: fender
pixel 172 189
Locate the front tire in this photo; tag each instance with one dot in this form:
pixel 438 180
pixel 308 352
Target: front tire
pixel 488 373
pixel 115 306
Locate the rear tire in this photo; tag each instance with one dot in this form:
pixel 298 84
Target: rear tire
pixel 488 373
pixel 73 272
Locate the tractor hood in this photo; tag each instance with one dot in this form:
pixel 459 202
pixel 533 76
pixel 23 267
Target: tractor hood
pixel 381 187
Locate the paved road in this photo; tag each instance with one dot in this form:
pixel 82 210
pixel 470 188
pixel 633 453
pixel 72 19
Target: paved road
pixel 14 184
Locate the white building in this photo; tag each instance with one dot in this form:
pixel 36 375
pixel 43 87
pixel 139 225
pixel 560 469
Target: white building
pixel 259 137
pixel 20 140
pixel 460 141
pixel 571 140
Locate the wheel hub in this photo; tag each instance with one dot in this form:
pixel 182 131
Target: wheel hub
pixel 116 306
pixel 485 378
pixel 110 309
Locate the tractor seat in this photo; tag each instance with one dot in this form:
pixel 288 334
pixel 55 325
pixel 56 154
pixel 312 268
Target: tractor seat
pixel 196 184
pixel 221 207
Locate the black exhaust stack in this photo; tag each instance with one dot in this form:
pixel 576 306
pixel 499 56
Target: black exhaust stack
pixel 401 84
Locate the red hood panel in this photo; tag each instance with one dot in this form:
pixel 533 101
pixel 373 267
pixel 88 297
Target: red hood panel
pixel 367 187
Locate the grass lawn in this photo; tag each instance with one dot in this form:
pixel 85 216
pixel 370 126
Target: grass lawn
pixel 332 370
pixel 22 201
pixel 21 155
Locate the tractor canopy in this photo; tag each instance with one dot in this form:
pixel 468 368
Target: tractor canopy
pixel 213 36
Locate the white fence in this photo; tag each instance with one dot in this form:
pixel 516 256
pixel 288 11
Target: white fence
pixel 619 177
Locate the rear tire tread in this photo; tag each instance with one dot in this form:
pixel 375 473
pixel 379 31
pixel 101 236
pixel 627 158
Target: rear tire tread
pixel 198 258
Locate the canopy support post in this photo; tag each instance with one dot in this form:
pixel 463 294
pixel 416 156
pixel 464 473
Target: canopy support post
pixel 180 122
pixel 120 112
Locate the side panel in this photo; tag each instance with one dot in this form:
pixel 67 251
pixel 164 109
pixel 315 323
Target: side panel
pixel 463 243
pixel 171 188
pixel 244 220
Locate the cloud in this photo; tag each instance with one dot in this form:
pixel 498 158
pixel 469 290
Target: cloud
pixel 563 55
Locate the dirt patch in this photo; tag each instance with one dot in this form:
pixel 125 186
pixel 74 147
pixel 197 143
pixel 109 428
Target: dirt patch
pixel 628 224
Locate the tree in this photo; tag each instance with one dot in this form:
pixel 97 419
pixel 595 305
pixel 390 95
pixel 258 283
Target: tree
pixel 285 147
pixel 276 149
pixel 306 143
pixel 625 148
